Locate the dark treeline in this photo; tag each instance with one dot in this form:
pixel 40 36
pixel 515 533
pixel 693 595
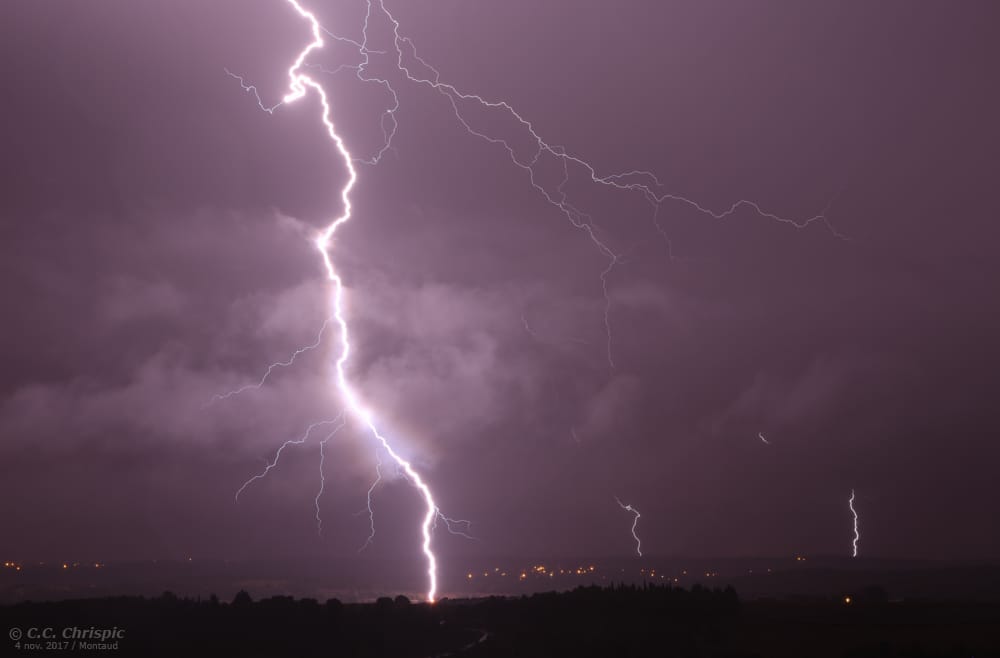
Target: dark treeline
pixel 620 620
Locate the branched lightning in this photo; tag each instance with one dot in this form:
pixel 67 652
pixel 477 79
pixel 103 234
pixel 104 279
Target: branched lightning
pixel 635 522
pixel 252 90
pixel 300 84
pixel 298 441
pixel 417 71
pixel 642 182
pixel 218 397
pixel 857 536
pixel 371 511
pixel 322 475
pixel 451 524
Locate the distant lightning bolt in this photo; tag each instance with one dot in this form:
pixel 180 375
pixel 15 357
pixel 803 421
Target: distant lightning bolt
pixel 857 536
pixel 635 522
pixel 760 435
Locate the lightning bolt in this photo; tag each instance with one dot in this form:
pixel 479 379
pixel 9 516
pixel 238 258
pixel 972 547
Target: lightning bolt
pixel 371 511
pixel 644 183
pixel 450 524
pixel 301 84
pixel 218 397
pixel 760 435
pixel 635 522
pixel 322 475
pixel 291 442
pixel 418 71
pixel 857 536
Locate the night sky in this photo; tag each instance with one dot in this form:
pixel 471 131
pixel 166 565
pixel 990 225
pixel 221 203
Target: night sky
pixel 156 246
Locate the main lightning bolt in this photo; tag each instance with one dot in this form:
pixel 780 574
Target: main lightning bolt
pixel 635 522
pixel 300 84
pixel 854 513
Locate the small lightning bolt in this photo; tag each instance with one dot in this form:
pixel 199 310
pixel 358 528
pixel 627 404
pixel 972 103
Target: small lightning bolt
pixel 760 435
pixel 218 397
pixel 291 442
pixel 370 509
pixel 451 524
pixel 635 522
pixel 322 475
pixel 857 536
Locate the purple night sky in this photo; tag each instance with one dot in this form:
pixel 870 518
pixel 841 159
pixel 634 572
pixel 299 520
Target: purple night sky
pixel 156 231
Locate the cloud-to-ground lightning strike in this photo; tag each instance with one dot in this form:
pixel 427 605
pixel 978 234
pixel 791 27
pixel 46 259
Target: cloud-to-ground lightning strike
pixel 300 84
pixel 644 183
pixel 857 536
pixel 635 522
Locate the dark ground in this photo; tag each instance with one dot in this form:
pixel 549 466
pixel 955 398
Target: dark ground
pixel 588 621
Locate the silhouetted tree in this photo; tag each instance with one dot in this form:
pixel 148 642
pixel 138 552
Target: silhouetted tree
pixel 242 599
